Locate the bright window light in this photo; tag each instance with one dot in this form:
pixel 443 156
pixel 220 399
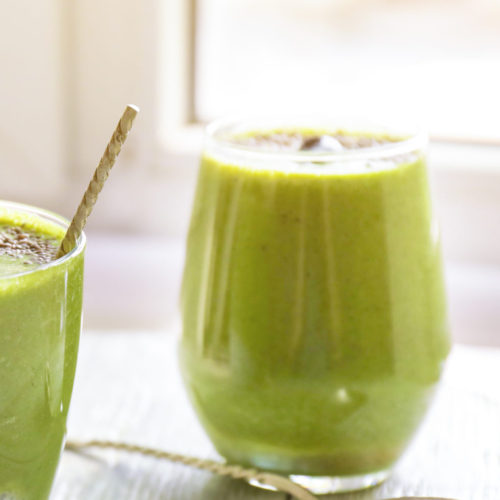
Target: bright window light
pixel 436 63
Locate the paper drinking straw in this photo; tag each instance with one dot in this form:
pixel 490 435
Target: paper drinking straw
pixel 100 175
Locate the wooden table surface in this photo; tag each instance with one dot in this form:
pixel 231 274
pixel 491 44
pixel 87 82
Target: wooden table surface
pixel 128 388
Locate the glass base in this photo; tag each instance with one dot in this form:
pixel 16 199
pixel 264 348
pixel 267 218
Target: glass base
pixel 324 485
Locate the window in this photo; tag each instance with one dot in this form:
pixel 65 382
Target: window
pixel 436 61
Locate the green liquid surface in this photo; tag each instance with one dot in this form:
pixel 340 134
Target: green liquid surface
pixel 314 318
pixel 40 319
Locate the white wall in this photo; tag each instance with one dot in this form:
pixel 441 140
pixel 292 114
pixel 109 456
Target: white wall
pixel 32 97
pixel 67 71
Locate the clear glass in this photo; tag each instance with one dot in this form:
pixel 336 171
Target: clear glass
pixel 314 315
pixel 40 322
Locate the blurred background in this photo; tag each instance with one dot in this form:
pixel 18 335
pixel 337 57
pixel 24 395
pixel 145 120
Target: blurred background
pixel 67 69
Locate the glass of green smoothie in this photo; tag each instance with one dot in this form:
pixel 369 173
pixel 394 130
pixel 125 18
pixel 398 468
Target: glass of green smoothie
pixel 40 320
pixel 313 307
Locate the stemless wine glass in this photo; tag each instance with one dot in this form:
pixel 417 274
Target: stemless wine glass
pixel 40 321
pixel 314 316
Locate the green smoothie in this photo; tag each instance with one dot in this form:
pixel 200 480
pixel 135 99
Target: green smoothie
pixel 40 319
pixel 314 318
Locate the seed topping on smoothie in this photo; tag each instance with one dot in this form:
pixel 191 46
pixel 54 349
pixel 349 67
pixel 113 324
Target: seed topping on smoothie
pixel 26 246
pixel 302 141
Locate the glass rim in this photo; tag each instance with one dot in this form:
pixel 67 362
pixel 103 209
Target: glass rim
pixel 218 131
pixel 52 217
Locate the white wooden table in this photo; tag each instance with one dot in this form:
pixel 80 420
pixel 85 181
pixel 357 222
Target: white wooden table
pixel 128 388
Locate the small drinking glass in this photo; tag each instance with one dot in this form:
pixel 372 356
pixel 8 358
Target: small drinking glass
pixel 40 321
pixel 313 305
